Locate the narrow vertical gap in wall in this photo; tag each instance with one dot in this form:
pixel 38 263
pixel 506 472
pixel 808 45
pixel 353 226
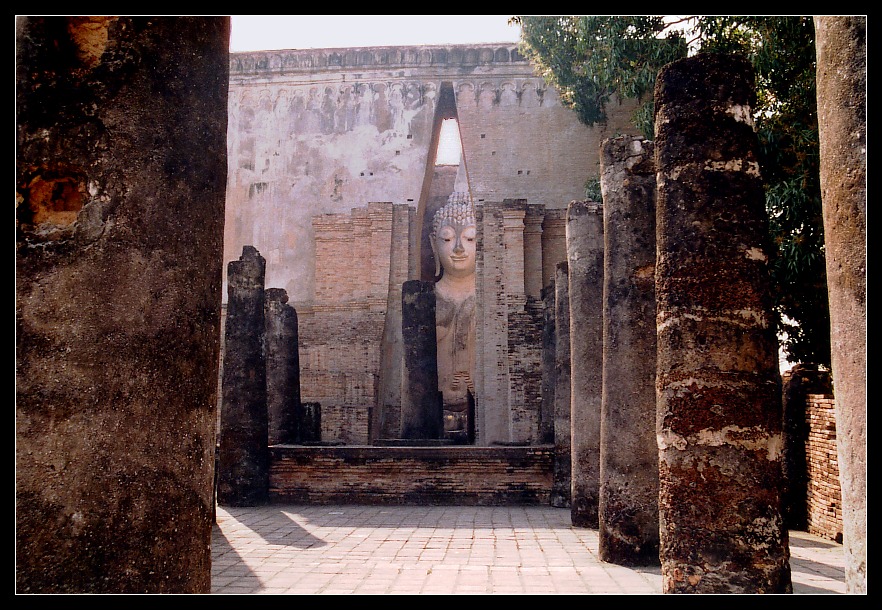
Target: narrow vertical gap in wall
pixel 443 165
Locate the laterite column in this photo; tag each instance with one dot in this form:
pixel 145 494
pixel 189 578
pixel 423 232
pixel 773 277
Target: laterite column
pixel 421 410
pixel 282 369
pixel 562 481
pixel 243 461
pixel 585 265
pixel 719 417
pixel 841 44
pixel 628 451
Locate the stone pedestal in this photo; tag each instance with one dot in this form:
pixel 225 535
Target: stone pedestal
pixel 585 265
pixel 628 451
pixel 719 419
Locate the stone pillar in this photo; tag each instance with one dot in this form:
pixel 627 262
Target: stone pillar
pixel 243 466
pixel 719 419
pixel 121 175
pixel 585 266
pixel 549 349
pixel 420 400
pixel 628 451
pixel 284 411
pixel 562 480
pixel 841 44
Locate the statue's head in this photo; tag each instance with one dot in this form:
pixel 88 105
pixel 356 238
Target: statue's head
pixel 453 236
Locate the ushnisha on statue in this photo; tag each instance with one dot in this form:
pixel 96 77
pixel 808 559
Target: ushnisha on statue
pixel 453 237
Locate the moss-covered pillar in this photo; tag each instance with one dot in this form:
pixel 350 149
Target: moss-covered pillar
pixel 628 451
pixel 719 419
pixel 120 187
pixel 284 411
pixel 421 410
pixel 585 272
pixel 841 44
pixel 243 461
pixel 562 480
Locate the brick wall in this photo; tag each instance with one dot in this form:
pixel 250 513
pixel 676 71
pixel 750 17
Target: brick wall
pixel 823 495
pixel 811 495
pixel 411 475
pixel 342 334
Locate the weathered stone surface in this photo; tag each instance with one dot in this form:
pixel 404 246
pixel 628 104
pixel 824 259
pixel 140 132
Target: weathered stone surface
pixel 420 399
pixel 242 461
pixel 585 265
pixel 561 489
pixel 719 420
pixel 284 411
pixel 841 44
pixel 121 172
pixel 628 504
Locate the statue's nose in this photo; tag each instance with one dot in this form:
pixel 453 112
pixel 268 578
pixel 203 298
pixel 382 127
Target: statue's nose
pixel 458 248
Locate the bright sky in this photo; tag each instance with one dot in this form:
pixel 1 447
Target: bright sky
pixel 267 32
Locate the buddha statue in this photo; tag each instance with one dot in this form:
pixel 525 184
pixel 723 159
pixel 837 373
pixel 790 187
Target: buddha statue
pixel 453 244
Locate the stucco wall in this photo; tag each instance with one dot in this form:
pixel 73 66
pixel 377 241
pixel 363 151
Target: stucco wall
pixel 324 131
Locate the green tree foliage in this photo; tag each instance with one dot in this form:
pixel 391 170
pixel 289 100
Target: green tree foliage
pixel 593 60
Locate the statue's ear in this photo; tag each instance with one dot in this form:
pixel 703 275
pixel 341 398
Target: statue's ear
pixel 435 254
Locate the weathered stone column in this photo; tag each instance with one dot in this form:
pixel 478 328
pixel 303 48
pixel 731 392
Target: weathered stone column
pixel 585 266
pixel 284 411
pixel 121 178
pixel 549 349
pixel 243 467
pixel 562 481
pixel 421 416
pixel 841 44
pixel 719 414
pixel 628 450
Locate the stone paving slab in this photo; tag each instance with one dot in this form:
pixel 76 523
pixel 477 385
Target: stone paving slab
pixel 444 550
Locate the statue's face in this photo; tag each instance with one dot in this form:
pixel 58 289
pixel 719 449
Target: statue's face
pixel 455 247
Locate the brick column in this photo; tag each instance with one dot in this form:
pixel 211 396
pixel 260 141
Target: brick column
pixel 243 470
pixel 562 481
pixel 585 265
pixel 841 44
pixel 420 399
pixel 628 451
pixel 284 411
pixel 719 419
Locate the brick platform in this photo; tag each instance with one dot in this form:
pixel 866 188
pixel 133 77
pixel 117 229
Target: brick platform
pixel 445 475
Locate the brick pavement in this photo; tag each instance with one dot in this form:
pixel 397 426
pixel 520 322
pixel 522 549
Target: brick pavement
pixel 364 550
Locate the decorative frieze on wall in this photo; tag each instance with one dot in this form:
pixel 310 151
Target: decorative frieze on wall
pixel 262 63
